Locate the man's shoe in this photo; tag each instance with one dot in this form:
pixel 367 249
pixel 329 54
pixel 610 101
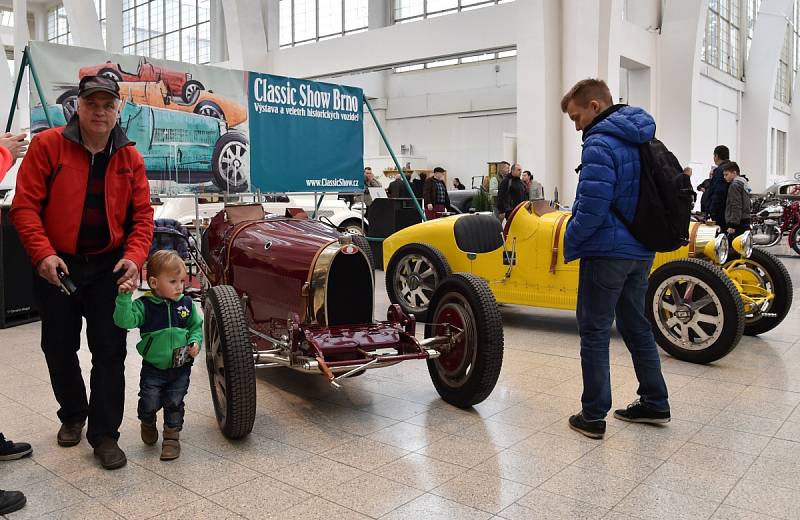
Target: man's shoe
pixel 593 429
pixel 109 453
pixel 11 501
pixel 13 450
pixel 70 434
pixel 640 413
pixel 149 433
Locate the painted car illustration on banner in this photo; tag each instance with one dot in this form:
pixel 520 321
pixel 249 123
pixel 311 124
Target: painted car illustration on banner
pixel 178 82
pixel 181 147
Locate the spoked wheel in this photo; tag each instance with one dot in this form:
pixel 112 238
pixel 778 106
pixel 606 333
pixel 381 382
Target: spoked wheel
pixel 412 276
pixel 467 370
pixel 191 89
pixel 229 359
pixel 768 275
pixel 696 311
pixel 794 239
pixel 230 163
pixel 111 74
pixel 210 109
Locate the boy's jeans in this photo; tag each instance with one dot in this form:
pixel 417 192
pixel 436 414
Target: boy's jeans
pixel 609 287
pixel 163 389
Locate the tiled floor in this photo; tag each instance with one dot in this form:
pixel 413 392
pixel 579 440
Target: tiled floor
pixel 387 447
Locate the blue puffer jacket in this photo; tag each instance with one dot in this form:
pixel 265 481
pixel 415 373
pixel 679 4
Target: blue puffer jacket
pixel 610 171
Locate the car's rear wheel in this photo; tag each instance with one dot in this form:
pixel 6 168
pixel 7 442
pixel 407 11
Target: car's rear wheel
pixel 68 102
pixel 229 359
pixel 210 109
pixel 466 372
pixel 765 271
pixel 695 309
pixel 111 74
pixel 230 163
pixel 191 89
pixel 412 276
pixel 353 226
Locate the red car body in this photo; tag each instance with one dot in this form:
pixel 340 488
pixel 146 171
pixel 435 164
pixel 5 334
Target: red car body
pixel 175 80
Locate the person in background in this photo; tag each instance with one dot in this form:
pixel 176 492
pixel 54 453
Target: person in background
pixel 511 192
pixel 737 202
pixel 457 184
pixel 369 182
pixel 718 188
pixel 614 267
pixel 703 188
pixel 534 188
pixel 397 189
pixel 82 209
pixel 418 185
pixel 503 168
pixel 435 194
pixel 688 172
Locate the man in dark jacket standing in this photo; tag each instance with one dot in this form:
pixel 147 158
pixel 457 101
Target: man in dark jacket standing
pixel 718 188
pixel 614 266
pixel 397 188
pixel 434 194
pixel 82 207
pixel 511 192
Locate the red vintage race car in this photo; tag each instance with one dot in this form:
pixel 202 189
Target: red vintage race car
pixel 179 83
pixel 291 292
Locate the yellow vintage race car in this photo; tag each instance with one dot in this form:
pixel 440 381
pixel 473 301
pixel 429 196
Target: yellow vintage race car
pixel 700 300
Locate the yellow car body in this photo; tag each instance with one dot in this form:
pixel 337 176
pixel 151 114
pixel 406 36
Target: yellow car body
pixel 526 266
pixel 156 94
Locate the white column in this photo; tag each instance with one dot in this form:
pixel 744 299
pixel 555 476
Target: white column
pixel 40 23
pixel 246 34
pixel 642 13
pixel 682 30
pixel 758 98
pixel 793 166
pixel 272 22
pixel 379 15
pixel 218 51
pixel 84 24
pixel 21 38
pixel 539 90
pixel 114 40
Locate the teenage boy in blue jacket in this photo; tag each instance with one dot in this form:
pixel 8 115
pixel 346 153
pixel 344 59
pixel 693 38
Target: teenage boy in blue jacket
pixel 614 266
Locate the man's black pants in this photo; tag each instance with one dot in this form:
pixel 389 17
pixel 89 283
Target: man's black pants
pixel 61 339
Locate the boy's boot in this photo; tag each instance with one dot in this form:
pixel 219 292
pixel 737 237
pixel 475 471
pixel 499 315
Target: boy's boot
pixel 149 433
pixel 171 447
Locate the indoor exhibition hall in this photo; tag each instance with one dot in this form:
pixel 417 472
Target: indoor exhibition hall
pixel 400 259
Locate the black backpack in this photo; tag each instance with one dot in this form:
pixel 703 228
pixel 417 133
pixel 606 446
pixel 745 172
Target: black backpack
pixel 661 222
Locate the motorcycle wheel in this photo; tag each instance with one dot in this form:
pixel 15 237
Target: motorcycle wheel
pixel 794 239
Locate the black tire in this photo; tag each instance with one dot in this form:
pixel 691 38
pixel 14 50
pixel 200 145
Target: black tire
pixel 398 282
pixel 727 312
pixel 765 270
pixel 67 100
pixel 353 226
pixel 227 163
pixel 794 239
pixel 110 73
pixel 210 109
pixel 363 244
pixel 229 359
pixel 190 90
pixel 467 374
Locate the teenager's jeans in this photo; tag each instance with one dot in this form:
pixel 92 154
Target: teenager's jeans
pixel 609 287
pixel 163 389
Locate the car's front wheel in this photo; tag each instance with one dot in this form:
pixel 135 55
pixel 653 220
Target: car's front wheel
pixel 191 89
pixel 229 360
pixel 695 309
pixel 767 275
pixel 467 370
pixel 210 109
pixel 230 163
pixel 413 274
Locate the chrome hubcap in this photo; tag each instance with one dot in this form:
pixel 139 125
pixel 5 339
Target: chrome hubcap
pixel 233 163
pixel 415 281
pixel 688 312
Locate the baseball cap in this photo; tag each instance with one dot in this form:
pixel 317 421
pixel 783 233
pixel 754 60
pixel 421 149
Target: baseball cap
pixel 91 84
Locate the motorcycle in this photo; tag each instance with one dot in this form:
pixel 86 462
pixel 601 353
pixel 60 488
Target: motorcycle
pixel 791 220
pixel 767 220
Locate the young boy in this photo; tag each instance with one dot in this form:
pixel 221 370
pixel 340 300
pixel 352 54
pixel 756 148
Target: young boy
pixel 737 205
pixel 170 328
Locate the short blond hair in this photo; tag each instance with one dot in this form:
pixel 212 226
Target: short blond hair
pixel 587 90
pixel 165 261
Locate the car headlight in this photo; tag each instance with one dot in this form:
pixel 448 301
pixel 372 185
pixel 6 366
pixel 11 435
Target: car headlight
pixel 743 244
pixel 717 250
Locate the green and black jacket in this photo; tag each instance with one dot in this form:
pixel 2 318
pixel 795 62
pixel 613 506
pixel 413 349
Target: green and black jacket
pixel 164 325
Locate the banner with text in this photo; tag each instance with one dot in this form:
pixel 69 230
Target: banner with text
pixel 309 135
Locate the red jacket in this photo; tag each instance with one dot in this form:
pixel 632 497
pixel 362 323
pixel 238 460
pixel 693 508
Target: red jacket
pixel 51 188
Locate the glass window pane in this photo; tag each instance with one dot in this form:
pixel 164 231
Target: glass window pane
pixel 172 49
pixel 128 35
pixel 305 20
pixel 285 32
pixel 204 43
pixel 142 22
pixel 330 17
pixel 441 5
pixel 172 15
pixel 157 17
pixel 203 11
pixel 356 14
pixel 188 12
pixel 408 8
pixel 189 45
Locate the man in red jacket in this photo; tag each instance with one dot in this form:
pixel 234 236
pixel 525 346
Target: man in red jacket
pixel 82 207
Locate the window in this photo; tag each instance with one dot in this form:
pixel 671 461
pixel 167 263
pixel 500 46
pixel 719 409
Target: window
pixel 6 18
pixel 752 13
pixel 412 10
pixel 177 30
pixel 722 47
pixel 100 7
pixel 783 81
pixel 448 62
pixel 795 39
pixel 306 21
pixel 779 160
pixel 57 27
